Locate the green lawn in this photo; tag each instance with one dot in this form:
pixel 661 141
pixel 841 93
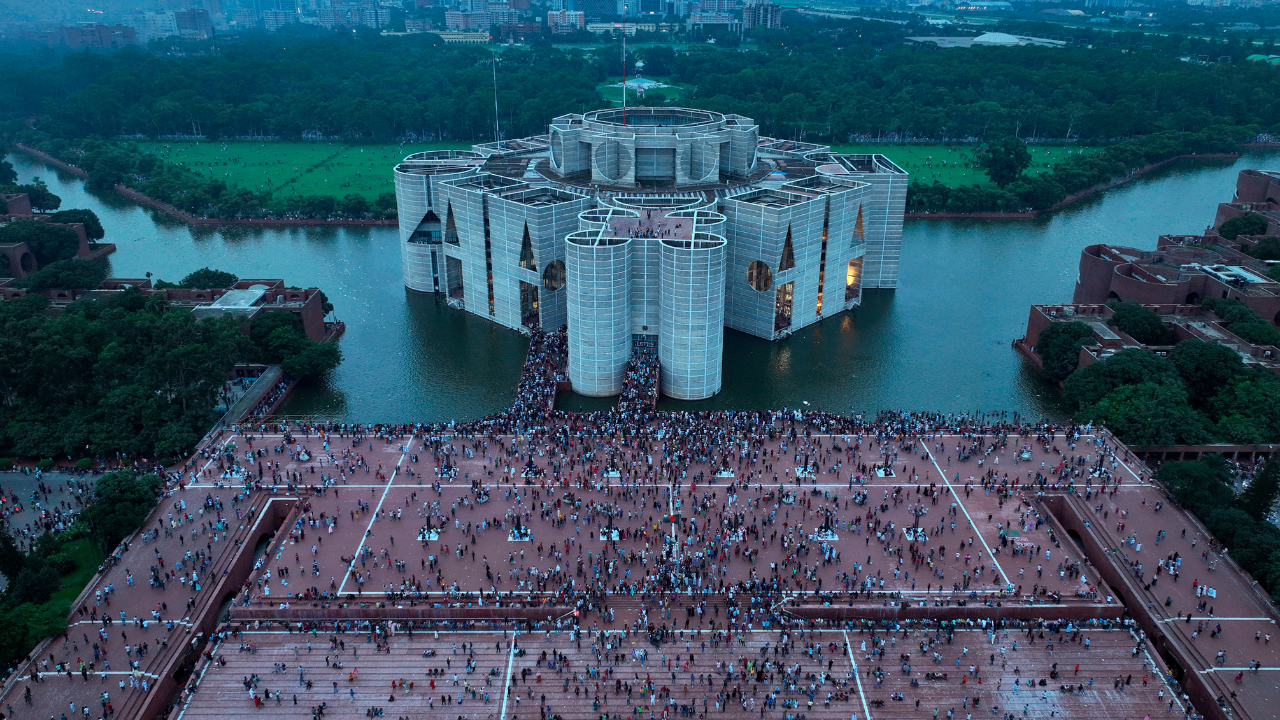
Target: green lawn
pixel 324 168
pixel 614 94
pixel 304 168
pixel 953 164
pixel 87 558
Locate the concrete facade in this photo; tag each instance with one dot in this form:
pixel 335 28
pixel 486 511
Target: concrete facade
pixel 711 225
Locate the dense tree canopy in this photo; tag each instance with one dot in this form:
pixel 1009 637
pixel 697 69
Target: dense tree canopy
pixel 1249 224
pixel 1059 347
pixel 92 225
pixel 819 80
pixel 1139 323
pixel 206 278
pixel 49 243
pixel 67 274
pixel 1200 392
pixel 118 375
pixel 121 502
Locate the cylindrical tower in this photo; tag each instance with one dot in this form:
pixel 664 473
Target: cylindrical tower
pixel 599 304
pixel 420 226
pixel 691 327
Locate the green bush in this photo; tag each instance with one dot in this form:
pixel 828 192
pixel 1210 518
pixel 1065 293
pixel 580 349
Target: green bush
pixel 1139 323
pixel 1268 248
pixel 280 339
pixel 121 502
pixel 1059 347
pixel 49 243
pixel 73 274
pixel 92 225
pixel 1205 488
pixel 36 585
pixel 1243 321
pixel 44 465
pixel 6 463
pixel 1251 224
pixel 206 279
pixel 84 463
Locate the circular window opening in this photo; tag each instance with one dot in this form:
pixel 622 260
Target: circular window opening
pixel 759 276
pixel 553 276
pixel 28 262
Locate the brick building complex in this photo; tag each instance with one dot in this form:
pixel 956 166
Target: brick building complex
pixel 1186 269
pixel 676 222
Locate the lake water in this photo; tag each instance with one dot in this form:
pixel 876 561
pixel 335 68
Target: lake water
pixel 940 342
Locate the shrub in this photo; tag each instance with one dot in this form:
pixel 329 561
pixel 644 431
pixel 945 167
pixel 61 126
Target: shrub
pixel 66 275
pixel 49 243
pixel 92 225
pixel 121 502
pixel 1268 248
pixel 36 585
pixel 44 465
pixel 206 278
pixel 1251 224
pixel 6 463
pixel 1059 348
pixel 1139 323
pixel 84 463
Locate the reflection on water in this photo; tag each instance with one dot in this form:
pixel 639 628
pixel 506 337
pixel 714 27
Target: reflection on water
pixel 939 342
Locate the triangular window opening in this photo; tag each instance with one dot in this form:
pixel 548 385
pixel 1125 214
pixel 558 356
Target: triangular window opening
pixel 526 252
pixel 788 254
pixel 450 228
pixel 857 226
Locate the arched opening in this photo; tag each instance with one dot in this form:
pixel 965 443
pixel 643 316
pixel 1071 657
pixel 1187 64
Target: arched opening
pixel 553 276
pixel 27 262
pixel 1113 295
pixel 759 276
pixel 1076 536
pixel 1193 299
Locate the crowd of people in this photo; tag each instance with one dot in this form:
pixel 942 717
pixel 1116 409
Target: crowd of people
pixel 639 398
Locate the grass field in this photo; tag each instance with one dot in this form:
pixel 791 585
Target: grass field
pixel 304 168
pixel 953 164
pixel 87 558
pixel 324 168
pixel 614 94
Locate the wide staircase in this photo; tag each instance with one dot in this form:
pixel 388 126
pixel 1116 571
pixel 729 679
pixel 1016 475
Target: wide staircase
pixel 1109 656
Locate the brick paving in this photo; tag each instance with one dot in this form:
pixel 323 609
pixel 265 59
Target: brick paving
pixel 961 519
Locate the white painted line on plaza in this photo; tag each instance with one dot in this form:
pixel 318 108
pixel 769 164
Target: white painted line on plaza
pixel 1253 619
pixel 857 676
pixel 1206 671
pixel 960 502
pixel 506 689
pixel 374 517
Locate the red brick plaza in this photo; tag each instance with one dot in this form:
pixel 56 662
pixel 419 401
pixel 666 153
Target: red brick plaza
pixel 683 568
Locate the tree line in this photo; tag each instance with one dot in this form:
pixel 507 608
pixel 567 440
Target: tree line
pixel 129 373
pixel 827 81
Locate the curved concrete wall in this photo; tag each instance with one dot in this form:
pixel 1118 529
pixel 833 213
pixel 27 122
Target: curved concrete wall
pixel 1094 279
pixel 691 326
pixel 413 200
pixel 420 238
pixel 599 304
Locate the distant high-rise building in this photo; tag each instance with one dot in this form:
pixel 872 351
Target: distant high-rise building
pixel 86 35
pixel 153 24
pixel 273 20
pixel 761 13
pixel 194 23
pixel 566 21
